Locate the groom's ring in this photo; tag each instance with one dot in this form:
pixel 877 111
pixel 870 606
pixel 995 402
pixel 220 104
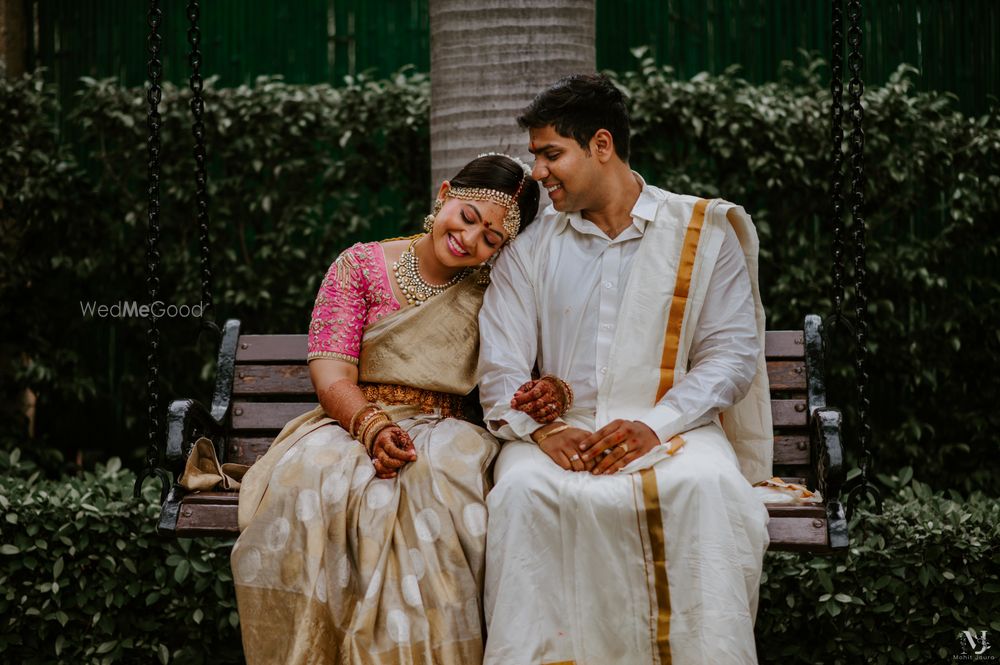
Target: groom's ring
pixel 623 446
pixel 575 457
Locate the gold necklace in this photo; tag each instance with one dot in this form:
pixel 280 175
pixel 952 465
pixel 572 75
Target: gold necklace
pixel 415 289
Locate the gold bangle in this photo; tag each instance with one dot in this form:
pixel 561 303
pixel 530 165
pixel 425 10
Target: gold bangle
pixel 567 392
pixel 369 421
pixel 354 419
pixel 366 420
pixel 554 430
pixel 367 427
pixel 373 431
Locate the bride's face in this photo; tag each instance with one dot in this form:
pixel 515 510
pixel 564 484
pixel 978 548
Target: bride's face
pixel 467 233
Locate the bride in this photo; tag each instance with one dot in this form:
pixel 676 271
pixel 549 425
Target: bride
pixel 363 527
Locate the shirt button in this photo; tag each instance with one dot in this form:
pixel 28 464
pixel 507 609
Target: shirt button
pixel 606 326
pixel 604 370
pixel 608 285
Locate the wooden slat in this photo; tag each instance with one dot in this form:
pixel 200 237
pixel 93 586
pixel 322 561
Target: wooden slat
pixel 798 528
pixel 784 344
pixel 271 349
pixel 273 380
pixel 791 528
pixel 208 514
pixel 789 413
pixel 270 416
pixel 279 380
pixel 791 449
pixel 786 375
pixel 778 344
pixel 247 450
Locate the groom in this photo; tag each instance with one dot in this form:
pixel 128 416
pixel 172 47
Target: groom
pixel 625 531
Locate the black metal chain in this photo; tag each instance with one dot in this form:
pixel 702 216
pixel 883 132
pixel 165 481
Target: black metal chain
pixel 837 159
pixel 153 95
pixel 200 170
pixel 863 485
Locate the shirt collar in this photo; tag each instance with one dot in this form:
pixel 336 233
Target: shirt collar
pixel 643 212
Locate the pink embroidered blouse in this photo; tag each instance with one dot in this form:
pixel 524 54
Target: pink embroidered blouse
pixel 355 292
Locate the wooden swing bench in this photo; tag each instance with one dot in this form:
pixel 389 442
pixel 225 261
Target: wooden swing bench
pixel 262 382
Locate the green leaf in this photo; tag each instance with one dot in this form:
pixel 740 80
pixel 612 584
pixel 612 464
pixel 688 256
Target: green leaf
pixel 163 654
pixel 842 598
pixel 107 646
pixel 57 568
pixel 9 549
pixel 181 572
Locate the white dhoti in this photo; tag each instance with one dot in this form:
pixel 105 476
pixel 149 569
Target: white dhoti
pixel 660 565
pixel 662 325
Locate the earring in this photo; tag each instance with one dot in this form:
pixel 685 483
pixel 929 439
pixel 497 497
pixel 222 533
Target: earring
pixel 429 219
pixel 483 277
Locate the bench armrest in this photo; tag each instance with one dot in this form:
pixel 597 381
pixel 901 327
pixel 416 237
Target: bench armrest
pixel 830 470
pixel 187 420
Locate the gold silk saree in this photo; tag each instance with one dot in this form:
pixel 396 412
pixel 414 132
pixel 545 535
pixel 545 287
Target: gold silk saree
pixel 336 566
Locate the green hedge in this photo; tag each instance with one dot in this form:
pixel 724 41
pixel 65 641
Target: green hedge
pixel 298 171
pixel 85 579
pixel 934 278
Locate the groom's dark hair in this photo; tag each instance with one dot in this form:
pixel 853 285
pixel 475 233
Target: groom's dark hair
pixel 577 106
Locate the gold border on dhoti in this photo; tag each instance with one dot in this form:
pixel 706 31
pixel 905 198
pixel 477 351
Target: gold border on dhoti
pixel 658 551
pixel 678 303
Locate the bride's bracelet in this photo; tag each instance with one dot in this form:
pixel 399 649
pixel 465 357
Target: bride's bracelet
pixel 357 420
pixel 567 392
pixel 371 428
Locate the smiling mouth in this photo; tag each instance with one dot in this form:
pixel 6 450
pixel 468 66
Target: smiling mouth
pixel 552 188
pixel 454 247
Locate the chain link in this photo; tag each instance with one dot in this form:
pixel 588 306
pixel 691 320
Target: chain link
pixel 837 158
pixel 196 83
pixel 864 486
pixel 154 69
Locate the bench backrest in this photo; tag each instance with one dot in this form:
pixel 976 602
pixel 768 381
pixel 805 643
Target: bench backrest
pixel 271 386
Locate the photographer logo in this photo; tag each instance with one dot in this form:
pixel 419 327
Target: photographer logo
pixel 974 646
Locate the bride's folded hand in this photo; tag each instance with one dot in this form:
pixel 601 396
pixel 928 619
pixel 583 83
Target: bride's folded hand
pixel 392 450
pixel 542 399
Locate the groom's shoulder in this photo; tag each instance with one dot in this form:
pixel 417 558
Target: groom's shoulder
pixel 546 223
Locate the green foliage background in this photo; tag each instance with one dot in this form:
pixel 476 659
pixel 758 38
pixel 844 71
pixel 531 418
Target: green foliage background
pixel 299 171
pixel 84 579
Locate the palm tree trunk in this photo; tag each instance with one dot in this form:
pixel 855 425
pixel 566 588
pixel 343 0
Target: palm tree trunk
pixel 488 61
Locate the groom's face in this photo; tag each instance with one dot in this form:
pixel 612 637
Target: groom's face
pixel 568 172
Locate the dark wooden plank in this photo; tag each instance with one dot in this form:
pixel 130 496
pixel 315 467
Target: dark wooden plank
pixel 789 413
pixel 278 380
pixel 791 449
pixel 778 344
pixel 207 519
pixel 211 498
pixel 247 450
pixel 273 381
pixel 798 528
pixel 786 375
pixel 271 349
pixel 270 416
pixel 791 528
pixel 784 344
